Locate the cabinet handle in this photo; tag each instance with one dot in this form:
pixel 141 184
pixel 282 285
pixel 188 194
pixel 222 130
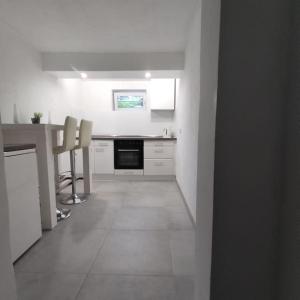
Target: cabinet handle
pixel 159 151
pixel 158 164
pixel 99 150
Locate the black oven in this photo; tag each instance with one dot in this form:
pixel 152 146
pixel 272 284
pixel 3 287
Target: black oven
pixel 129 154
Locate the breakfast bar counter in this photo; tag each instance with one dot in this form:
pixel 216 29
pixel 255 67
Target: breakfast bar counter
pixel 132 137
pixel 45 137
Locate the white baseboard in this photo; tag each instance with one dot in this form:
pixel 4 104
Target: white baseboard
pixel 134 177
pixel 186 206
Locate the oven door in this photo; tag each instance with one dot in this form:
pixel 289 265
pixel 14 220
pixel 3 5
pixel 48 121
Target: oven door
pixel 128 159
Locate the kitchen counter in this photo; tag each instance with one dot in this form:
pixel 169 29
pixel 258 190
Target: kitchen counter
pixel 134 137
pixel 45 137
pixel 18 147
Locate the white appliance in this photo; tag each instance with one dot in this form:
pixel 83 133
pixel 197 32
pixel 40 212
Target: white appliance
pixel 23 197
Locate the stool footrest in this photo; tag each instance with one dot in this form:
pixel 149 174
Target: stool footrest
pixel 74 199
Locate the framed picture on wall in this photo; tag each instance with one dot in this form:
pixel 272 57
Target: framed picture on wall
pixel 129 99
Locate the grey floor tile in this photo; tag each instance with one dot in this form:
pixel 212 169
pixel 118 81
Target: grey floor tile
pixel 71 252
pixel 41 243
pixel 152 199
pixel 179 220
pixel 183 252
pixel 139 199
pixel 184 288
pixel 109 199
pixel 132 237
pixel 141 219
pixel 134 252
pixel 87 218
pixel 174 199
pixel 111 186
pixel 48 286
pixel 158 186
pixel 127 288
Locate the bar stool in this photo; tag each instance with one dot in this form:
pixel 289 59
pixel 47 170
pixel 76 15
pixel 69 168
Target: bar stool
pixel 69 141
pixel 85 135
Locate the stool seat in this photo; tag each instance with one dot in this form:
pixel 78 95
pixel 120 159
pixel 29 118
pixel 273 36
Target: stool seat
pixel 69 136
pixel 69 140
pixel 85 134
pixel 69 144
pixel 58 150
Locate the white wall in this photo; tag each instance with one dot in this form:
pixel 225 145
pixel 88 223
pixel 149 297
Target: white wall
pixel 7 281
pixel 187 118
pixel 196 111
pixel 22 81
pixel 24 84
pixel 92 99
pixel 209 64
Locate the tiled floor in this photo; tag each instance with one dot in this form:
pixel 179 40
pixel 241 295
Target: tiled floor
pixel 129 241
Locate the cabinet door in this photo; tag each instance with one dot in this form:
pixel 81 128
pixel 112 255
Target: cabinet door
pixel 158 152
pixel 159 143
pixel 159 167
pixel 104 159
pixel 24 205
pixel 162 94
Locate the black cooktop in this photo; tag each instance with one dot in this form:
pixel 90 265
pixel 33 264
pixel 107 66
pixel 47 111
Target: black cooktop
pixel 18 147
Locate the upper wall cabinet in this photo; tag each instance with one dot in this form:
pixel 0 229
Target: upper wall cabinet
pixel 162 94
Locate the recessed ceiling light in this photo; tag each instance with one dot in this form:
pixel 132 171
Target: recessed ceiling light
pixel 83 75
pixel 148 75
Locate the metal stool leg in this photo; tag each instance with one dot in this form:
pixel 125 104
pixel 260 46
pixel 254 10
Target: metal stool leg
pixel 62 214
pixel 74 197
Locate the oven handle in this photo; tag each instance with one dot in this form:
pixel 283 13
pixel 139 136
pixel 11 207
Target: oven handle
pixel 128 150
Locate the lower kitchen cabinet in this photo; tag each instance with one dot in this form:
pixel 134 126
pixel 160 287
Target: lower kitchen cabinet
pixel 158 151
pixel 159 167
pixel 104 157
pixel 159 157
pixel 23 200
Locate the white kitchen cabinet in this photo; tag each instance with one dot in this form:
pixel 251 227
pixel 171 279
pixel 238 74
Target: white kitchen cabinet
pixel 129 172
pixel 158 152
pixel 158 167
pixel 160 143
pixel 23 199
pixel 162 94
pixel 103 157
pixel 159 157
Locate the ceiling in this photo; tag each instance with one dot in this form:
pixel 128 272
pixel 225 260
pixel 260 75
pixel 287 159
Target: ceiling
pixel 117 75
pixel 104 26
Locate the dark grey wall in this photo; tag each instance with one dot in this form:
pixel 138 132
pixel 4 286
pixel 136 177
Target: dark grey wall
pixel 249 148
pixel 289 273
